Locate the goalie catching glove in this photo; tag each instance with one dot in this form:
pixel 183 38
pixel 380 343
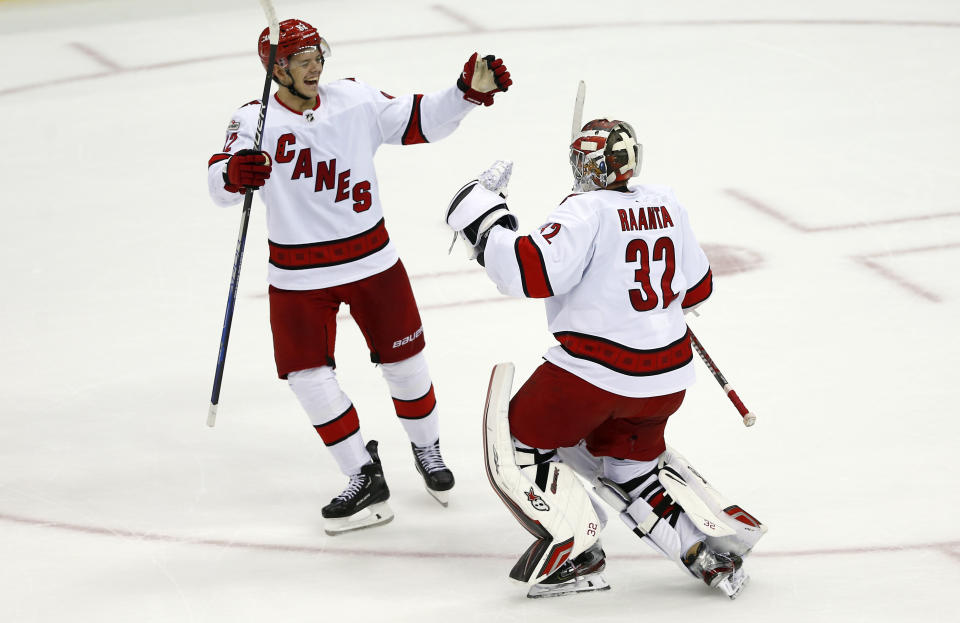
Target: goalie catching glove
pixel 247 169
pixel 479 206
pixel 482 78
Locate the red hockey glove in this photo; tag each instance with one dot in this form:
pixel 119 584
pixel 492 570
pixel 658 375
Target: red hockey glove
pixel 247 168
pixel 482 78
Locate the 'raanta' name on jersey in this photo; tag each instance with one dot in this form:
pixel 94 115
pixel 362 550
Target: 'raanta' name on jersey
pixel 653 217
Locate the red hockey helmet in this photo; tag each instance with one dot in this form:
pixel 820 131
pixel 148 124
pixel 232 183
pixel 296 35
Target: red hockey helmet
pixel 295 36
pixel 603 153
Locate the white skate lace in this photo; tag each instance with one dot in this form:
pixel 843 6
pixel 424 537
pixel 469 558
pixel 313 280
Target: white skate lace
pixel 429 457
pixel 353 487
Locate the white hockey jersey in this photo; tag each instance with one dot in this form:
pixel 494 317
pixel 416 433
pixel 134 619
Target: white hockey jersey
pixel 324 217
pixel 617 269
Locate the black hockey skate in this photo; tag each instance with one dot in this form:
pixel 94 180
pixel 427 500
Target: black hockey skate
pixel 723 571
pixel 580 575
pixel 436 476
pixel 363 503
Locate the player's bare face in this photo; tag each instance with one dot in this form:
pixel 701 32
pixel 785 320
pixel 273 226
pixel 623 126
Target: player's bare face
pixel 305 69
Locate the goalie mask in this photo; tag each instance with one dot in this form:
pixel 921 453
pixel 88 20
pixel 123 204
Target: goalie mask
pixel 295 36
pixel 603 153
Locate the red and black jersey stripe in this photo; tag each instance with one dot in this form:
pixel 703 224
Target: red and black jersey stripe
pixel 414 132
pixel 215 158
pixel 700 292
pixel 340 427
pixel 417 408
pixel 626 360
pixel 330 253
pixel 533 270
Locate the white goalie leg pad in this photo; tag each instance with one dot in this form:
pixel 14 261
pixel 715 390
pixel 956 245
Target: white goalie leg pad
pixel 637 514
pixel 588 467
pixel 547 499
pixel 727 526
pixel 585 464
pixel 641 518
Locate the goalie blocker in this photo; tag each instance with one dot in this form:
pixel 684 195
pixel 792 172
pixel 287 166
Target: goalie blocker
pixel 546 498
pixel 480 205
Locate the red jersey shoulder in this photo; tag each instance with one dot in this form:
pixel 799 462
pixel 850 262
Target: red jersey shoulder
pixel 253 103
pixel 568 196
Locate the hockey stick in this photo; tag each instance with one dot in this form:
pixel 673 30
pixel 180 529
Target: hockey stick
pixel 245 217
pixel 578 110
pixel 749 419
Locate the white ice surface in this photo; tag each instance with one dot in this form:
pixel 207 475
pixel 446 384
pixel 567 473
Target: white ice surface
pixel 818 139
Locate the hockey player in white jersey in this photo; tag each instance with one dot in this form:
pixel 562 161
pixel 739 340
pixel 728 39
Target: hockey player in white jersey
pixel 328 244
pixel 617 264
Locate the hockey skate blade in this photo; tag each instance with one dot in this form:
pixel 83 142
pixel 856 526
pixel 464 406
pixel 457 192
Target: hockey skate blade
pixel 733 585
pixel 583 584
pixel 440 496
pixel 373 515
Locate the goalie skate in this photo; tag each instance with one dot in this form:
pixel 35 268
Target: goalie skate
pixel 723 571
pixel 363 503
pixel 580 575
pixel 734 583
pixel 437 478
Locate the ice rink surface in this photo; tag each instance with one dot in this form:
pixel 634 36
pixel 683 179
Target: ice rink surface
pixel 814 144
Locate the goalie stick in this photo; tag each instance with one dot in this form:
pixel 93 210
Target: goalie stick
pixel 749 419
pixel 245 217
pixel 578 110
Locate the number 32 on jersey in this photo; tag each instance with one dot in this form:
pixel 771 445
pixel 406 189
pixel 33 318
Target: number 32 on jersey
pixel 646 297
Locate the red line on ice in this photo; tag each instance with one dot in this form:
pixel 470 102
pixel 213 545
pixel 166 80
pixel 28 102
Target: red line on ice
pixel 886 273
pixel 777 215
pixel 520 29
pixel 97 56
pixel 946 547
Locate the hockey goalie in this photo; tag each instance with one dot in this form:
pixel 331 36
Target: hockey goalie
pixel 617 265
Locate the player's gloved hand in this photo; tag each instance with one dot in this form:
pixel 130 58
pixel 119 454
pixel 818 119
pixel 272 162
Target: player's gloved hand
pixel 479 206
pixel 247 168
pixel 482 78
pixel 496 177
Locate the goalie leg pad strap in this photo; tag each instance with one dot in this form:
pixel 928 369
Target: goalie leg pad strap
pixel 728 527
pixel 547 498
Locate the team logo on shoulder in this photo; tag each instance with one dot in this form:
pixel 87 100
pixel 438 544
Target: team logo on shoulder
pixel 536 501
pixel 234 126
